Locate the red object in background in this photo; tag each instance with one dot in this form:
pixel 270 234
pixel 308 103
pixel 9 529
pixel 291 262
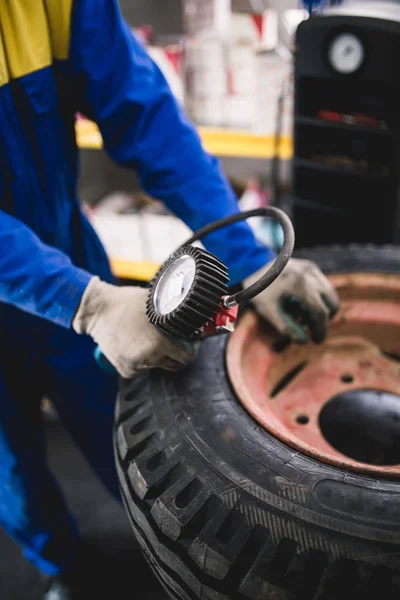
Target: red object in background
pixel 174 55
pixel 144 33
pixel 259 21
pixel 329 115
pixel 353 118
pixel 365 119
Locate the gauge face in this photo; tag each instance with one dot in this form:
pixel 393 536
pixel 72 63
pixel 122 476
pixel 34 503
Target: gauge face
pixel 346 53
pixel 174 285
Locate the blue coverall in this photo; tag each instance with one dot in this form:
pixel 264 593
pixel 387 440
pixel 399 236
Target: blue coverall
pixel 57 58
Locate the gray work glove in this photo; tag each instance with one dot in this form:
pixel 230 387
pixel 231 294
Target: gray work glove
pixel 115 317
pixel 300 301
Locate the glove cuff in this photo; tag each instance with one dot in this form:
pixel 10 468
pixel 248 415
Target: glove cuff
pixel 91 304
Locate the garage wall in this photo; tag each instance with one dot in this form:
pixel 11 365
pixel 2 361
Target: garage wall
pixel 248 5
pixel 164 15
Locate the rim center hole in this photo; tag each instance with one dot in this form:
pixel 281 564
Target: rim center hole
pixel 364 425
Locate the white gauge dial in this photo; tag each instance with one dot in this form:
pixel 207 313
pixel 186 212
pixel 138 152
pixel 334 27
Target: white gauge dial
pixel 346 53
pixel 174 285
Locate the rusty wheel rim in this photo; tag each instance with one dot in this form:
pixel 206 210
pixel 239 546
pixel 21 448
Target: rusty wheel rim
pixel 292 394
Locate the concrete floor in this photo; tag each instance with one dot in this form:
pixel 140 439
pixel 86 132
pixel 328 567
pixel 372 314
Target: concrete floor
pixel 115 567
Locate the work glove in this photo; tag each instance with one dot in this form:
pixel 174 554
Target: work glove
pixel 299 302
pixel 115 317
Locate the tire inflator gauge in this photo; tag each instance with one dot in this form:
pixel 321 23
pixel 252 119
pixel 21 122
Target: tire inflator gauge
pixel 188 297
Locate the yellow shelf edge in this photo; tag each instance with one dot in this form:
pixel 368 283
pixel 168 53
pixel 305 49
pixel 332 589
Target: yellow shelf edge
pixel 220 142
pixel 138 271
pixel 234 143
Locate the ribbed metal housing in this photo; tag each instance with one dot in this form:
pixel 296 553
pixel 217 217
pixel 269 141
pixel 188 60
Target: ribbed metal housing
pixel 209 286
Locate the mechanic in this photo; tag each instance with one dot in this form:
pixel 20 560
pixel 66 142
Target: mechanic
pixel 57 58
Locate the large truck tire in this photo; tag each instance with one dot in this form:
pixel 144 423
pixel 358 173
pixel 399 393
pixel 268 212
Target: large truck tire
pixel 224 510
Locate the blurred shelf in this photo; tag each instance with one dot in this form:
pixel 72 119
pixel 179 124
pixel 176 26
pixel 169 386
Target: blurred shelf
pixel 354 128
pixel 373 172
pixel 220 142
pixel 138 271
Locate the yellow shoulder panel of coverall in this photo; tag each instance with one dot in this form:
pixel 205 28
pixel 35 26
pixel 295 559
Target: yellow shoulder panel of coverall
pixel 33 34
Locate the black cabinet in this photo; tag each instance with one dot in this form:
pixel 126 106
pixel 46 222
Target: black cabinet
pixel 346 171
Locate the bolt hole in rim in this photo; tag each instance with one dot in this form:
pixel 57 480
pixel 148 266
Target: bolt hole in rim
pixel 302 419
pixel 347 378
pixel 338 402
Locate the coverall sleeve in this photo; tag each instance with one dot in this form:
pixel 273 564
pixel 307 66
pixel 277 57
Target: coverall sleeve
pixel 35 277
pixel 144 127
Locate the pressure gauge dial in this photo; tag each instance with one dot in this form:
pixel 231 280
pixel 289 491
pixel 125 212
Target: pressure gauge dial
pixel 174 284
pixel 346 53
pixel 187 292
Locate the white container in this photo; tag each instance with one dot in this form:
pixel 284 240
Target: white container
pixel 241 55
pixel 242 69
pixel 273 73
pixel 259 29
pixel 206 73
pixel 169 59
pixel 240 111
pixel 204 83
pixel 206 51
pixel 207 15
pixel 289 22
pixel 209 112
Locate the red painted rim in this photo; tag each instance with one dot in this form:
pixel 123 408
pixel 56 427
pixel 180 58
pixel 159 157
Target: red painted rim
pixel 286 391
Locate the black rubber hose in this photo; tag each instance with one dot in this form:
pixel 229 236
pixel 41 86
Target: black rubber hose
pixel 279 263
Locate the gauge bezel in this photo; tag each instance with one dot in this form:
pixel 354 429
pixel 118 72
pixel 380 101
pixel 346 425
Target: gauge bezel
pixel 329 40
